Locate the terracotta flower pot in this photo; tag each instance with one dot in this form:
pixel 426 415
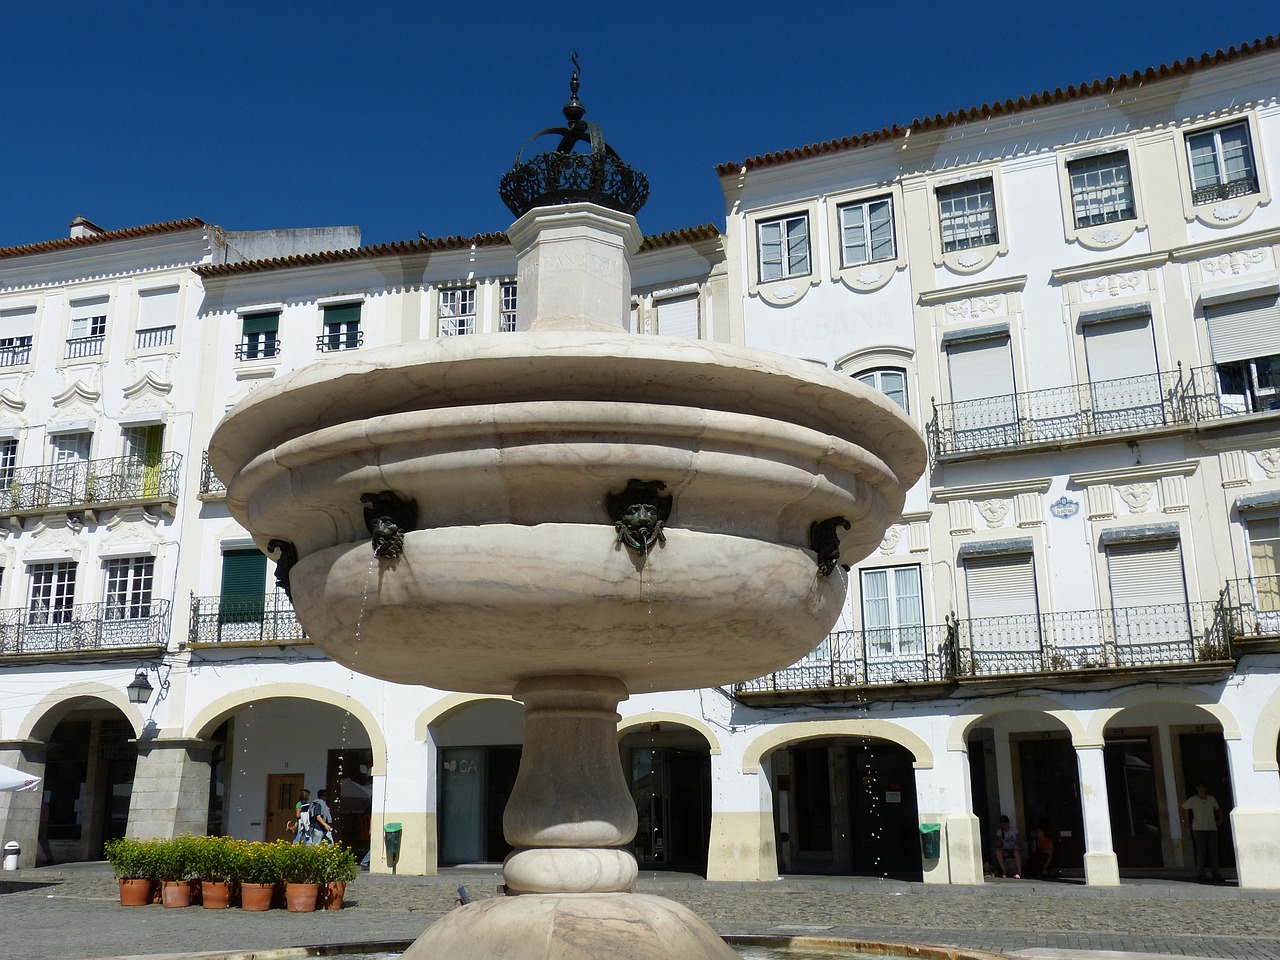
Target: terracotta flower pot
pixel 256 896
pixel 215 894
pixel 333 893
pixel 175 893
pixel 135 893
pixel 301 897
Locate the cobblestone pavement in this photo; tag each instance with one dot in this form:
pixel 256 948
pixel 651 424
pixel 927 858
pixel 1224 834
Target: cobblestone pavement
pixel 71 913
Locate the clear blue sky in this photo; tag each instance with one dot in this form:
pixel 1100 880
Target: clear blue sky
pixel 400 117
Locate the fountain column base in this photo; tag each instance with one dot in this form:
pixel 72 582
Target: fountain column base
pixel 574 926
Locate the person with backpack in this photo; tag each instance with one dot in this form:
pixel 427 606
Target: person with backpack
pixel 321 819
pixel 301 822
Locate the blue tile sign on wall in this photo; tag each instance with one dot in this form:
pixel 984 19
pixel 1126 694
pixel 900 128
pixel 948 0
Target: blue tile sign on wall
pixel 1064 508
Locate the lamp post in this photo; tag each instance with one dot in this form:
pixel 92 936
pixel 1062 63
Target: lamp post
pixel 139 689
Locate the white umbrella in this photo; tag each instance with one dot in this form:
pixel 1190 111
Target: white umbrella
pixel 11 779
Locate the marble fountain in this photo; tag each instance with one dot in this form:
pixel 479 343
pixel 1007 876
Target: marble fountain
pixel 567 514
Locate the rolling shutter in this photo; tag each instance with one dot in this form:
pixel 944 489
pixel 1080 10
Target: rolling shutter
pixel 20 322
pixel 1001 586
pixel 1244 329
pixel 1120 349
pixel 157 308
pixel 1146 574
pixel 980 368
pixel 678 317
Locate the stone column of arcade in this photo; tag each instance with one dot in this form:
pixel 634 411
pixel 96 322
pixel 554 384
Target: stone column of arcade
pixel 567 514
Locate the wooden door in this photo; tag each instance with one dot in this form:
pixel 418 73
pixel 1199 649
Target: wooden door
pixel 283 790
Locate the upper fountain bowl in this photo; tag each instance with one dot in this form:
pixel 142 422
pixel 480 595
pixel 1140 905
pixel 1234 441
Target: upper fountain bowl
pixel 510 445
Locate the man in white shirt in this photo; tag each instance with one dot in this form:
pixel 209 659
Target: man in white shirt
pixel 1203 815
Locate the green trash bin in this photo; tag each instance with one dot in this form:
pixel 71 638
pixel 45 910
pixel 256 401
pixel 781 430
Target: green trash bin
pixel 931 840
pixel 391 833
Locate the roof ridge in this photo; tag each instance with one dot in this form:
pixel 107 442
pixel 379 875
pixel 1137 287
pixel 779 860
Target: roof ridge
pixel 124 233
pixel 1024 102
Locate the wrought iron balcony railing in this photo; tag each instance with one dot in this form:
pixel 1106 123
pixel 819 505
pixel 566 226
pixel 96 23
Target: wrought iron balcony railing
pixel 1059 414
pixel 211 488
pixel 85 628
pixel 265 619
pixel 1252 607
pixel 1239 187
pixel 258 349
pixel 343 340
pixel 88 484
pixel 1214 395
pixel 1133 637
pixel 854 658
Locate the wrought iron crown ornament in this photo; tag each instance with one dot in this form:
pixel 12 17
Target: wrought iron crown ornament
pixel 562 176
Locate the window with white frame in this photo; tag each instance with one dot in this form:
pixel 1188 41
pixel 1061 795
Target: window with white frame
pixel 457 311
pixel 1101 189
pixel 784 247
pixel 866 232
pixel 1245 338
pixel 341 327
pixel 507 322
pixel 1221 163
pixel 892 613
pixel 1263 533
pixel 128 588
pixel 8 461
pixel 967 215
pixel 17 328
pixel 53 589
pixel 70 469
pixel 259 336
pixel 157 317
pixel 891 381
pixel 88 333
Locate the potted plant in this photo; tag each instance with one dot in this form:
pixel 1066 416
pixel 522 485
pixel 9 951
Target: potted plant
pixel 175 868
pixel 340 867
pixel 302 866
pixel 217 864
pixel 134 864
pixel 260 873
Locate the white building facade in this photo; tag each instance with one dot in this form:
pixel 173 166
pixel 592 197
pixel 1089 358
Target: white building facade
pixel 1075 296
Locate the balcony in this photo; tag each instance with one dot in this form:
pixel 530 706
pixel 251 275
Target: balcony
pixel 91 485
pixel 237 621
pixel 211 488
pixel 1070 646
pixel 257 348
pixel 340 340
pixel 1214 192
pixel 1252 609
pixel 155 337
pixel 85 628
pixel 78 347
pixel 15 351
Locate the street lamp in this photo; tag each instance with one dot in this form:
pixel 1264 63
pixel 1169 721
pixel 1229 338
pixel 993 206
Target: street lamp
pixel 139 689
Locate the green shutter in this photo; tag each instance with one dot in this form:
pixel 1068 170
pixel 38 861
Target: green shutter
pixel 261 323
pixel 345 313
pixel 244 578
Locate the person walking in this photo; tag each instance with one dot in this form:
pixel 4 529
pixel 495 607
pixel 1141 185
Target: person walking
pixel 301 822
pixel 321 819
pixel 1008 844
pixel 1203 815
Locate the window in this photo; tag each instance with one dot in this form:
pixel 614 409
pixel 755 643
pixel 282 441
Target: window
pixel 866 232
pixel 457 312
pixel 341 328
pixel 157 317
pixel 244 591
pixel 507 324
pixel 8 461
pixel 1004 624
pixel 678 317
pixel 984 408
pixel 1264 570
pixel 1124 380
pixel 144 453
pixel 967 212
pixel 53 588
pixel 1148 596
pixel 890 381
pixel 892 616
pixel 128 593
pixel 259 338
pixel 88 328
pixel 1245 338
pixel 784 247
pixel 1221 162
pixel 70 468
pixel 1101 189
pixel 17 327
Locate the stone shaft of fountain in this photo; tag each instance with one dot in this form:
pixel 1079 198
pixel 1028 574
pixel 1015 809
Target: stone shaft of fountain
pixel 490 469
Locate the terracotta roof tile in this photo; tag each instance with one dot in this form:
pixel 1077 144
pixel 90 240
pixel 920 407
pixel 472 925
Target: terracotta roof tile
pixel 673 238
pixel 1032 101
pixel 128 233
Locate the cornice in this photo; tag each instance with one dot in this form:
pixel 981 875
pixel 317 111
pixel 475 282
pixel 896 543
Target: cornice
pixel 1008 487
pixel 1178 468
pixel 1195 251
pixel 982 288
pixel 1095 267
